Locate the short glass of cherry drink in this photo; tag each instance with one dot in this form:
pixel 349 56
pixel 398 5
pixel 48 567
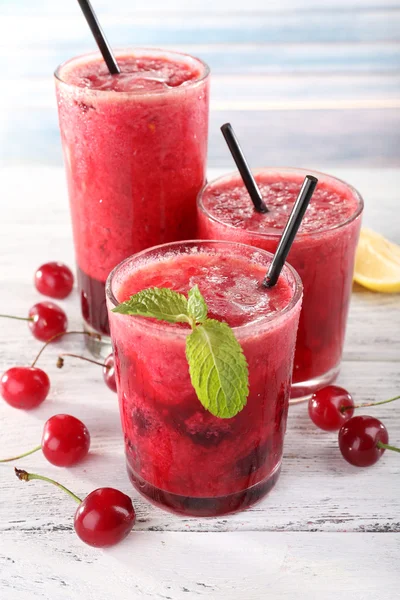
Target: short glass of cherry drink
pixel 180 456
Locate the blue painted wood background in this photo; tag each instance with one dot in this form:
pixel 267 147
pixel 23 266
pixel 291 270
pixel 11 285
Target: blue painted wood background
pixel 304 82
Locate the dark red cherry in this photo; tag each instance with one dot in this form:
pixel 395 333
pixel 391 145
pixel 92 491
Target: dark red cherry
pixel 360 439
pixel 104 518
pixel 328 407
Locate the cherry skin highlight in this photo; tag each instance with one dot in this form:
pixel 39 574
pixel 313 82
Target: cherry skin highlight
pixel 109 372
pixel 326 407
pixel 54 279
pixel 104 518
pixel 24 387
pixel 359 438
pixel 65 440
pixel 48 320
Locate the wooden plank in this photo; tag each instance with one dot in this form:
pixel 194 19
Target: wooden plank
pixel 373 319
pixel 304 91
pixel 317 491
pixel 291 544
pixel 232 58
pixel 181 566
pixel 125 7
pixel 40 31
pixel 359 138
pixel 342 137
pixel 247 92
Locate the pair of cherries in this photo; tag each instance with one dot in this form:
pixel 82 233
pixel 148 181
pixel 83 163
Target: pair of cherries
pixel 106 515
pixel 27 387
pixel 47 319
pixel 362 439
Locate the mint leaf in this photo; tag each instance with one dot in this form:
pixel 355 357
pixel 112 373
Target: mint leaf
pixel 218 368
pixel 197 306
pixel 217 365
pixel 160 303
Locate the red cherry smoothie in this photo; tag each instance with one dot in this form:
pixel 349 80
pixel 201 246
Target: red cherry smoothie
pixel 322 253
pixel 134 150
pixel 179 455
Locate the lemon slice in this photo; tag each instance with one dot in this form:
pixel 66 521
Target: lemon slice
pixel 377 263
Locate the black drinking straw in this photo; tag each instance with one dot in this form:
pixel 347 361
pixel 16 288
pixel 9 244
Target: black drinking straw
pixel 243 167
pixel 99 36
pixel 289 233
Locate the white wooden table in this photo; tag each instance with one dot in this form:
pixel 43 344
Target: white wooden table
pixel 301 81
pixel 327 530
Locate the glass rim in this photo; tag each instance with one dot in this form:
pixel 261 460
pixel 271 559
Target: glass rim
pixel 277 234
pixel 295 299
pixel 97 54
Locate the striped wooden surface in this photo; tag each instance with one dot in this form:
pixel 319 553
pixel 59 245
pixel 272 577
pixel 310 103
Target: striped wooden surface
pixel 326 528
pixel 302 81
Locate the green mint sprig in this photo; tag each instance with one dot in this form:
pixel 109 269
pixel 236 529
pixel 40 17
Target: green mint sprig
pixel 217 366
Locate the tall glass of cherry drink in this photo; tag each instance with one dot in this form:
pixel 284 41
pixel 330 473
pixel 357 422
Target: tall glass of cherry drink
pixel 178 454
pixel 134 149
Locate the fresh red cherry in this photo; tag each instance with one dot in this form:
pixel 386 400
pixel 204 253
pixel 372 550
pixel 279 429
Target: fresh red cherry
pixel 103 518
pixel 330 407
pixel 54 279
pixel 65 441
pixel 363 440
pixel 47 320
pixel 109 372
pixel 24 387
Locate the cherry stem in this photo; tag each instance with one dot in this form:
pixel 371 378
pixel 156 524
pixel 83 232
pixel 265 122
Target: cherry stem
pixel 60 360
pixel 366 404
pixel 21 455
pixel 61 334
pixel 24 476
pixel 387 447
pixel 17 318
